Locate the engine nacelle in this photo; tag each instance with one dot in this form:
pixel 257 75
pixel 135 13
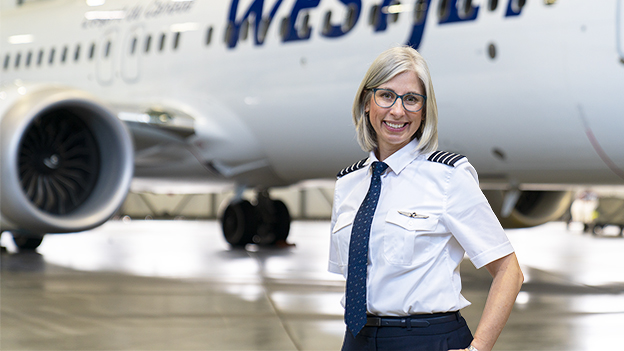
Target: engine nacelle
pixel 532 207
pixel 66 160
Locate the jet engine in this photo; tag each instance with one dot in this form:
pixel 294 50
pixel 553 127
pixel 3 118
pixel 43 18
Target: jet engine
pixel 531 208
pixel 66 161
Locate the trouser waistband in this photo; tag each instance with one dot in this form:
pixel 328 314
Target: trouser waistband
pixel 414 321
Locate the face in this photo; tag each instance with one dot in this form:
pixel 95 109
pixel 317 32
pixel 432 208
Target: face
pixel 395 126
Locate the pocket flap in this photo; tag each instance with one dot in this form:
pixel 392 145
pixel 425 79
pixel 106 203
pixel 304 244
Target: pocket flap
pixel 344 220
pixel 412 223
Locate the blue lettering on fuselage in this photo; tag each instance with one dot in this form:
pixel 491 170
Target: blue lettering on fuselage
pixel 290 33
pixel 418 30
pixel 452 15
pixel 234 25
pixel 511 11
pixel 336 31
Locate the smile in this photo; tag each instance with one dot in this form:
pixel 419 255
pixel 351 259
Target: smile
pixel 395 126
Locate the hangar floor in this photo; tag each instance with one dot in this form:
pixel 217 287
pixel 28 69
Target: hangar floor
pixel 175 285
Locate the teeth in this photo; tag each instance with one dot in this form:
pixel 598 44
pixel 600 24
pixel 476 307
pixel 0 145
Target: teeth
pixel 396 126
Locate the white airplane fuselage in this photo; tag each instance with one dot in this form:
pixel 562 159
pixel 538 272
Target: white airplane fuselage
pixel 531 93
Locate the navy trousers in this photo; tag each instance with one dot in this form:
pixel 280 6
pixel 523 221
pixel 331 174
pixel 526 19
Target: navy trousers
pixel 436 337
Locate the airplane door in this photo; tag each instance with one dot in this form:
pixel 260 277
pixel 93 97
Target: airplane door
pixel 131 55
pixel 105 64
pixel 620 28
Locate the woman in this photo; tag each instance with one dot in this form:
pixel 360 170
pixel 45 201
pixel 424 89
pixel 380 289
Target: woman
pixel 403 219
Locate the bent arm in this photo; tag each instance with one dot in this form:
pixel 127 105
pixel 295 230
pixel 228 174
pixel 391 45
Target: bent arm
pixel 505 287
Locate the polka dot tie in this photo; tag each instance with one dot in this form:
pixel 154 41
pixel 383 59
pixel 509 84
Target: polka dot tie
pixel 355 309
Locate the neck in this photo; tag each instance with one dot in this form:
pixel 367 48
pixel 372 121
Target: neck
pixel 383 152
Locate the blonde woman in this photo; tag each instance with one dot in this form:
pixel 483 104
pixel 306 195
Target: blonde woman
pixel 403 219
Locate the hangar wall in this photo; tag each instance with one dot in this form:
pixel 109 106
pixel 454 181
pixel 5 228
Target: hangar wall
pixel 303 201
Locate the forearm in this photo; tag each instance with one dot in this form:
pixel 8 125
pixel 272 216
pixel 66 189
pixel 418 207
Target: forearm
pixel 507 281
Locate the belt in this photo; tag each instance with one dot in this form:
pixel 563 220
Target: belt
pixel 414 321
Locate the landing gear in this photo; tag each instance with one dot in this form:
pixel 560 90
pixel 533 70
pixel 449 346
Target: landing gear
pixel 239 223
pixel 266 223
pixel 26 241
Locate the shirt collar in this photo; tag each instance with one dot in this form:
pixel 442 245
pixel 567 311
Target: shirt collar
pixel 400 159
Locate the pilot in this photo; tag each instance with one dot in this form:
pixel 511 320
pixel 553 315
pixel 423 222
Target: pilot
pixel 404 217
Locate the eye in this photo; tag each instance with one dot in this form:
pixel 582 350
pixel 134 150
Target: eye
pixel 386 95
pixel 411 99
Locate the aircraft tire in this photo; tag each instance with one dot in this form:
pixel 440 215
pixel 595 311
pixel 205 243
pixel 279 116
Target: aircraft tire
pixel 26 241
pixel 282 223
pixel 239 223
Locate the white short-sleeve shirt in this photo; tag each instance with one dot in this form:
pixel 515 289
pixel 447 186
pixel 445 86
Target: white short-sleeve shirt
pixel 414 260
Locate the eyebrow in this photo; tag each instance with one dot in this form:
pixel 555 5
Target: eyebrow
pixel 409 92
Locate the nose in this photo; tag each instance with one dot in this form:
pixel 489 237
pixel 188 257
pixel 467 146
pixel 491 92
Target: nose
pixel 397 108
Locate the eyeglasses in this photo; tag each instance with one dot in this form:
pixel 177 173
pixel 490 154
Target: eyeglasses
pixel 386 98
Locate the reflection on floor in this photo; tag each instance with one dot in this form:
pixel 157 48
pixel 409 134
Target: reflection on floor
pixel 175 285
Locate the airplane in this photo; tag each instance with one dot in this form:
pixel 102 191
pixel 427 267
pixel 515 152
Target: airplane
pixel 96 94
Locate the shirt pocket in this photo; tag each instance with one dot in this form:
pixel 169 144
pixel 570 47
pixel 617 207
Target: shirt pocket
pixel 403 237
pixel 341 235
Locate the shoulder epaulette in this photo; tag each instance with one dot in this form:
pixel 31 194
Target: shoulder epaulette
pixel 448 158
pixel 354 167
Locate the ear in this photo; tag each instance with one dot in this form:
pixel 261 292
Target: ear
pixel 367 100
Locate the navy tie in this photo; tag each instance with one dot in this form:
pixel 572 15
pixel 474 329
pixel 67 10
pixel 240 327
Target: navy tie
pixel 355 309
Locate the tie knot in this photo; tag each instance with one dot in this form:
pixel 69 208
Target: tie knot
pixel 379 168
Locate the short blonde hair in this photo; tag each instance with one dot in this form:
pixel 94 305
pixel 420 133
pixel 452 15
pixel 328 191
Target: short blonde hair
pixel 385 67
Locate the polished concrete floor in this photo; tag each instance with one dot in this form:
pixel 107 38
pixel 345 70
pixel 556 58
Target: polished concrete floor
pixel 174 285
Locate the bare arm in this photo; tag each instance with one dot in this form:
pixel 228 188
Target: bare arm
pixel 507 281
